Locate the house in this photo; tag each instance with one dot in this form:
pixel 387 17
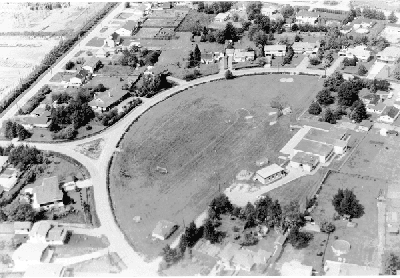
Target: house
pixel 40 110
pixel 48 194
pixel 384 94
pixel 222 17
pixel 275 50
pixel 370 99
pixel 268 11
pixel 167 5
pixel 127 29
pixel 269 174
pixel 277 17
pixel 32 253
pixel 336 268
pixel 304 160
pixel 295 268
pixel 377 109
pixel 243 260
pixel 241 55
pixel 92 64
pixel 322 151
pixel 393 230
pixel 164 229
pixel 22 227
pixel 305 47
pixel 104 101
pixel 306 17
pixel 365 125
pixel 389 55
pixel 359 51
pixel 101 53
pixel 79 78
pixel 39 122
pixel 336 137
pixel 8 178
pixel 392 29
pixel 228 253
pixel 7 228
pixel 363 23
pixel 389 114
pixel 207 57
pixel 113 40
pixel 69 183
pixel 331 18
pixel 49 233
pixel 45 270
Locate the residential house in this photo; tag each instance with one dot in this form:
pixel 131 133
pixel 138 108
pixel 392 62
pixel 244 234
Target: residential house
pixel 305 47
pixel 392 29
pixel 241 55
pixel 207 57
pixel 40 110
pixel 244 260
pixel 81 77
pixel 48 194
pixel 389 55
pixel 336 137
pixel 32 253
pixel 227 254
pixel 365 126
pixel 304 160
pixel 331 18
pixel 104 101
pixel 113 40
pixel 372 99
pixel 43 121
pixel 92 64
pixel 322 151
pixel 377 109
pixel 164 229
pixel 273 50
pixel 270 174
pixel 363 23
pixel 296 268
pixel 48 233
pixel 8 178
pixel 384 94
pixel 128 28
pixel 69 183
pixel 45 270
pixel 389 114
pixel 102 53
pixel 22 227
pixel 269 11
pixel 167 5
pixel 359 51
pixel 306 17
pixel 277 17
pixel 222 17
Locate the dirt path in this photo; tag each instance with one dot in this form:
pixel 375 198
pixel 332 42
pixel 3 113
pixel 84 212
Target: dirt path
pixel 381 233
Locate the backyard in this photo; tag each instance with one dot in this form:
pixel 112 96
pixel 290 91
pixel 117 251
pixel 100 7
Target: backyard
pixel 203 139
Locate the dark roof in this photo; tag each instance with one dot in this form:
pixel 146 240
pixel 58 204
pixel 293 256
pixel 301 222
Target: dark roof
pixel 115 36
pixel 49 191
pixel 109 97
pixel 207 56
pixel 129 25
pixel 373 98
pixel 82 74
pixel 391 111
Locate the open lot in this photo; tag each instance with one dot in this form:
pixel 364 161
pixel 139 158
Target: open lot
pixel 363 238
pixel 191 19
pixel 201 138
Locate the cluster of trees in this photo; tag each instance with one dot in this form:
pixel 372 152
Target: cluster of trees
pixel 350 62
pixel 392 17
pixel 373 14
pixel 134 57
pixel 288 56
pixel 111 117
pixel 65 120
pixel 17 211
pixel 391 263
pixel 194 57
pixel 214 7
pixel 345 202
pixel 14 130
pixel 53 55
pixel 152 85
pixel 35 101
pixel 228 33
pixel 309 28
pixel 24 156
pixel 69 65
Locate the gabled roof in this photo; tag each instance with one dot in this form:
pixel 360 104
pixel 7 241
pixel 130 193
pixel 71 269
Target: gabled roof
pixel 373 98
pixel 82 74
pixel 315 148
pixel 304 45
pixel 304 158
pixel 129 25
pixel 44 270
pixel 55 234
pixel 275 47
pixel 307 14
pixel 91 62
pixel 244 258
pixel 49 191
pixel 109 97
pixel 30 252
pixel 269 170
pixel 7 228
pixel 390 51
pixel 40 229
pixel 380 106
pixel 22 225
pixel 390 111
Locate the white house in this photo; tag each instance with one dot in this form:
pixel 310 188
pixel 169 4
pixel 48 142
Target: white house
pixel 91 64
pixel 48 233
pixel 269 174
pixel 241 55
pixel 296 268
pixel 31 253
pixel 377 109
pixel 389 55
pixel 323 151
pixel 305 47
pixel 48 194
pixel 45 270
pixel 277 50
pixel 392 29
pixel 79 78
pixel 222 17
pixel 268 11
pixel 113 40
pixel 127 29
pixel 306 17
pixel 22 227
pixel 359 51
pixel 389 114
pixel 102 53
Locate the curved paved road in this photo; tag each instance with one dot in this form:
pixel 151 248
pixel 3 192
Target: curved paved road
pixel 136 265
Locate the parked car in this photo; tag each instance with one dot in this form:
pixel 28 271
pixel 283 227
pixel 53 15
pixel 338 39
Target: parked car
pixel 392 133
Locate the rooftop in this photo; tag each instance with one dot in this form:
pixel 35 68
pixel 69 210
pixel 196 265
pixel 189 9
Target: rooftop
pixel 379 107
pixel 307 14
pixel 21 225
pixel 107 98
pixel 315 148
pixel 327 137
pixel 48 192
pixel 304 158
pixel 7 228
pixel 163 228
pixel 40 229
pixel 275 47
pixel 269 170
pixel 373 98
pixel 30 252
pixel 333 268
pixel 390 111
pixel 129 25
pixel 304 45
pixel 91 62
pixel 295 268
pixel 390 51
pixel 3 160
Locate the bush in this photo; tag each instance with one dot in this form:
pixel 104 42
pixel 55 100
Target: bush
pixel 228 75
pixel 327 227
pixel 315 61
pixel 352 62
pixel 68 132
pixel 362 70
pixel 69 65
pixel 315 108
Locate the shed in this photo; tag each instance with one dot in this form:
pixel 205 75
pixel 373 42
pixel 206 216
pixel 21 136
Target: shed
pixel 394 230
pixel 270 173
pixel 164 229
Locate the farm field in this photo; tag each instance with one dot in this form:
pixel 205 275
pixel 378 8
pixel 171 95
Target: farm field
pixel 201 138
pixel 363 238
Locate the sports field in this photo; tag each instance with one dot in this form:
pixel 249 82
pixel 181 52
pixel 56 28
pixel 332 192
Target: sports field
pixel 203 139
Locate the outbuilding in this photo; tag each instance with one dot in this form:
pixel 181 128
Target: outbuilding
pixel 304 160
pixel 164 229
pixel 270 173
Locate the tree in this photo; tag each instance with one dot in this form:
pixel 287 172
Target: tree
pixel 220 37
pixel 228 75
pixel 392 17
pixel 267 211
pixel 235 17
pixel 253 9
pixel 287 11
pixel 69 65
pixel 345 202
pixel 297 38
pixel 22 133
pixel 315 108
pixel 209 232
pixel 315 61
pixel 327 227
pixel 299 239
pixel 347 93
pixel 292 216
pixel 260 39
pixel 328 116
pixel 192 234
pixel 391 264
pixel 17 211
pixel 170 255
pixel 221 205
pixel 362 70
pixel 197 55
pixel 10 130
pixel 230 32
pixel 324 97
pixel 359 112
pixel 295 27
pixel 249 214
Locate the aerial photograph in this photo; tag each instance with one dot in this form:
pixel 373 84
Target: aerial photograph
pixel 200 138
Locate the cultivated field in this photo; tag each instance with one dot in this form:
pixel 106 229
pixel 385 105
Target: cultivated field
pixel 201 138
pixel 363 238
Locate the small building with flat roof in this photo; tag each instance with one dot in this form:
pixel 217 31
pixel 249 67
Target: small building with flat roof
pixel 270 174
pixel 304 160
pixel 323 151
pixel 336 137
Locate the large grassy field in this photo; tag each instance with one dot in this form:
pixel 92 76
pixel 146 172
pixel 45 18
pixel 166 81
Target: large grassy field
pixel 201 138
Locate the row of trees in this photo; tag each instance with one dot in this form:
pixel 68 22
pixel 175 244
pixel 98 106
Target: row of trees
pixel 194 57
pixel 135 57
pixel 214 7
pixel 35 100
pixel 16 130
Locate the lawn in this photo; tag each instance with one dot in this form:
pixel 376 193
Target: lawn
pixel 354 70
pixel 364 238
pixel 201 138
pixel 296 60
pixel 96 42
pixel 103 264
pixel 192 18
pixel 80 245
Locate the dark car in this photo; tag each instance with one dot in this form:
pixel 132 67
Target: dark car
pixel 392 133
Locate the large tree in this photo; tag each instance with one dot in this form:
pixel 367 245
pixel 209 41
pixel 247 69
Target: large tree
pixel 334 81
pixel 292 216
pixel 392 17
pixel 221 205
pixel 345 202
pixel 347 93
pixel 328 116
pixel 260 39
pixel 17 211
pixel 324 97
pixel 268 211
pixel 315 108
pixel 391 264
pixel 359 112
pixel 197 55
pixel 230 32
pixel 299 239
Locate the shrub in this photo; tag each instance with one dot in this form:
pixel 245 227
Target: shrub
pixel 69 65
pixel 327 227
pixel 315 61
pixel 362 70
pixel 315 108
pixel 228 75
